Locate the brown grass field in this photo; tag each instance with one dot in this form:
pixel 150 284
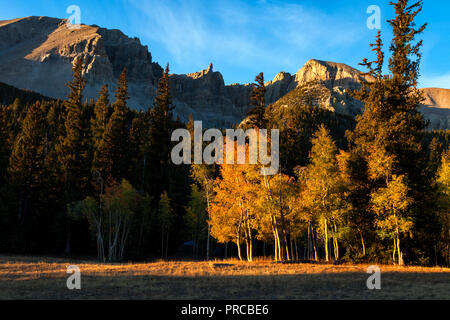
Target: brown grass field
pixel 45 278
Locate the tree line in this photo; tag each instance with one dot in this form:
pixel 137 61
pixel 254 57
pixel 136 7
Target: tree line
pixel 73 171
pixel 95 177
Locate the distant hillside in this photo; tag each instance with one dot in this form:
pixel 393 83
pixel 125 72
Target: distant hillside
pixel 437 98
pixel 9 93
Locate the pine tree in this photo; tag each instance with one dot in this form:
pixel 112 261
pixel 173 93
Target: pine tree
pixel 391 127
pixel 17 112
pixel 392 116
pixel 55 121
pixel 113 149
pixel 98 127
pixel 4 144
pixel 72 149
pixel 27 162
pixel 139 149
pixel 435 156
pixel 100 120
pixel 159 137
pixel 258 100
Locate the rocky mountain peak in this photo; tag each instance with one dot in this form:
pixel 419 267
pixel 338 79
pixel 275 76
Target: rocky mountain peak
pixel 281 76
pixel 331 74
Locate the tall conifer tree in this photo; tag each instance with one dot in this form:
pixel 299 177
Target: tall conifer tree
pixel 392 127
pixel 4 144
pixel 113 149
pixel 159 136
pixel 27 162
pixel 98 127
pixel 73 147
pixel 258 100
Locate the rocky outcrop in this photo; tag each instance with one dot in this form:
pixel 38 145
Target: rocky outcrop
pixel 37 53
pixel 205 95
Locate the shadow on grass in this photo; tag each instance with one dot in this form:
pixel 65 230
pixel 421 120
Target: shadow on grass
pixel 394 285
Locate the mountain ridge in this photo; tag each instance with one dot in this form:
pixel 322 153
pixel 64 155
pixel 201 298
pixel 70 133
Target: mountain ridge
pixel 37 53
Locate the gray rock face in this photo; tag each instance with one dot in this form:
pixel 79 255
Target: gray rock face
pixel 279 86
pixel 37 53
pixel 205 95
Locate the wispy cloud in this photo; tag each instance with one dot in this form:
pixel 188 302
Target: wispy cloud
pixel 242 33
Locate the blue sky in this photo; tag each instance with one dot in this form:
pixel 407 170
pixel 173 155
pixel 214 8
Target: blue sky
pixel 243 38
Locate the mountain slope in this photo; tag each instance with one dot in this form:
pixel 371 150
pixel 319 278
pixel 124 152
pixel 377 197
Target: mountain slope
pixel 9 93
pixel 437 107
pixel 37 53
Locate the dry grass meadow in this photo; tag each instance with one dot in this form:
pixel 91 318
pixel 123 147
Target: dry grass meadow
pixel 45 278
